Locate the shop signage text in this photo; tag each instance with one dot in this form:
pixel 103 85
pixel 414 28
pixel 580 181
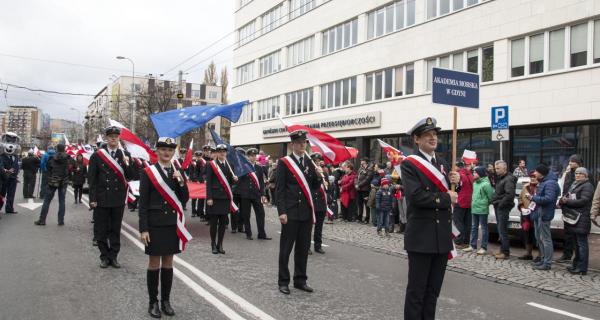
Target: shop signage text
pixel 351 122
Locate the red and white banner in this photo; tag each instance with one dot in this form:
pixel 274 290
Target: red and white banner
pixel 169 195
pixel 223 180
pixel 332 149
pixel 254 180
pixel 134 145
pixel 188 156
pixel 394 155
pixel 469 156
pixel 301 179
pixel 113 164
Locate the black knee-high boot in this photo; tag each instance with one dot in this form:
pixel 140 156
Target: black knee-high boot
pixel 166 282
pixel 152 277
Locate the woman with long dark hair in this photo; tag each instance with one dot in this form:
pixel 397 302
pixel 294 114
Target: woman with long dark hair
pixel 78 176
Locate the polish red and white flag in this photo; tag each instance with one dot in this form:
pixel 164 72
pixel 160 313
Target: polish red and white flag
pixel 188 156
pixel 134 145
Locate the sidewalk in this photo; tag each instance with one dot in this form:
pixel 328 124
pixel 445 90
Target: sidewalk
pixel 557 282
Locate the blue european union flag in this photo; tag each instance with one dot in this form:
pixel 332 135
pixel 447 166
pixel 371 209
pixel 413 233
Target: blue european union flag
pixel 174 123
pixel 240 164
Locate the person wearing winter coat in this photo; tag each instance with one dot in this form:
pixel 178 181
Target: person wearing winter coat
pixel 577 204
pixel 78 176
pixel 348 193
pixel 58 179
pixel 44 169
pixel 545 198
pixel 480 207
pixel 503 201
pixel 375 183
pixel 384 201
pixel 527 223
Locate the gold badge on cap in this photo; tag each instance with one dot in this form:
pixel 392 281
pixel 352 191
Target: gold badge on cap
pixel 169 141
pixel 429 121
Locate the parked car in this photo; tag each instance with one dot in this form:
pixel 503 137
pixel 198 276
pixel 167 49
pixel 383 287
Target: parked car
pixel 514 221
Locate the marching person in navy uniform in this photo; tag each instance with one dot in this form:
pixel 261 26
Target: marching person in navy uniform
pixel 252 192
pixel 295 209
pixel 428 234
pixel 158 223
pixel 219 197
pixel 108 172
pixel 237 222
pixel 196 173
pixel 320 201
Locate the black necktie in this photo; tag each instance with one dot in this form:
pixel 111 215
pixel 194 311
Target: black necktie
pixel 301 162
pixel 433 162
pixel 112 154
pixel 168 171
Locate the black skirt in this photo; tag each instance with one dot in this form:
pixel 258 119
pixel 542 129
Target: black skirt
pixel 219 207
pixel 163 241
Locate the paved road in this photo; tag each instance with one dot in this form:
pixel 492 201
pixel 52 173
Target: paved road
pixel 51 273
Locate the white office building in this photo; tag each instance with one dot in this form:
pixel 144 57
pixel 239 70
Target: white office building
pixel 361 70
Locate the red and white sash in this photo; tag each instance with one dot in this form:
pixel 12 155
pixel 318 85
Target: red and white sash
pixel 301 179
pixel 439 180
pixel 169 195
pixel 329 211
pixel 431 172
pixel 113 164
pixel 254 180
pixel 223 179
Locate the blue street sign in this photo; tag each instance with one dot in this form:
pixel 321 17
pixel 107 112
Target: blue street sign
pixel 454 88
pixel 500 117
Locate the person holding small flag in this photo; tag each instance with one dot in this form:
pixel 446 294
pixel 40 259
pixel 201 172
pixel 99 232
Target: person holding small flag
pixel 196 173
pixel 219 197
pixel 320 202
pixel 297 175
pixel 428 236
pixel 252 191
pixel 162 223
pixel 109 171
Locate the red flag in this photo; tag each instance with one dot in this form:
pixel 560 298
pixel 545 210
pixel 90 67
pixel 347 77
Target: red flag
pixel 353 152
pixel 332 149
pixel 394 155
pixel 134 145
pixel 188 156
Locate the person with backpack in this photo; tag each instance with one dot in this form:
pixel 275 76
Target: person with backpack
pixel 58 180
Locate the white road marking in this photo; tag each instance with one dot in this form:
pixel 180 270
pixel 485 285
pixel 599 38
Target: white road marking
pixel 30 204
pixel 241 302
pixel 322 245
pixel 564 313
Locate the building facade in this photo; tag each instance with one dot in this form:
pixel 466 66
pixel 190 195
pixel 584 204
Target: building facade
pixel 26 122
pixel 115 101
pixel 72 130
pixel 361 69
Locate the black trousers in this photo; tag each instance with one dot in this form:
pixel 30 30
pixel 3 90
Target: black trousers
pixel 28 184
pixel 77 192
pixel 259 212
pixel 298 233
pixel 9 188
pixel 362 205
pixel 318 236
pixel 569 244
pixel 425 278
pixel 198 207
pixel 218 225
pixel 107 230
pixel 462 220
pixel 236 218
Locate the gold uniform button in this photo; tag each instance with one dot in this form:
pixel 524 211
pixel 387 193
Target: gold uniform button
pixel 437 221
pixel 437 200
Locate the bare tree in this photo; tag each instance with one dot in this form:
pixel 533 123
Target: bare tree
pixel 156 97
pixel 224 85
pixel 210 74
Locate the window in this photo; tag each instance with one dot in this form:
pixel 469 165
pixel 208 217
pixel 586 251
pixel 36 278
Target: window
pixel 338 93
pixel 579 45
pixel 246 33
pixel 246 115
pixel 430 65
pixel 245 73
pixel 472 2
pixel 472 61
pixel 272 19
pixel 596 41
pixel 300 7
pixel 268 108
pixel 457 62
pixel 536 54
pixel 557 49
pixel 300 101
pixel 487 64
pixel 388 83
pixel 213 95
pixel 445 62
pixel 269 64
pixel 390 18
pixel 431 8
pixel 340 37
pixel 444 6
pixel 441 7
pixel 300 52
pixel 196 94
pixel 242 3
pixel 458 4
pixel 517 54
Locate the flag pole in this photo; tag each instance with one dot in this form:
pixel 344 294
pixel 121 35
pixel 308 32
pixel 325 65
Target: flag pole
pixel 454 142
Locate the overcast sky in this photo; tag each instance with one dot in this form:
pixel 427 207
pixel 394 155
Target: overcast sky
pixel 155 34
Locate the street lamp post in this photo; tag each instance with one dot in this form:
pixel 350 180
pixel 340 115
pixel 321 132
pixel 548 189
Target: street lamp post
pixel 134 108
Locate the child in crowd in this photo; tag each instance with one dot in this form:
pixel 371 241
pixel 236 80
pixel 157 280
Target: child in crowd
pixel 384 201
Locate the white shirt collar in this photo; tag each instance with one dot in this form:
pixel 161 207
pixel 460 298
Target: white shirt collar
pixel 298 157
pixel 427 156
pixel 110 150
